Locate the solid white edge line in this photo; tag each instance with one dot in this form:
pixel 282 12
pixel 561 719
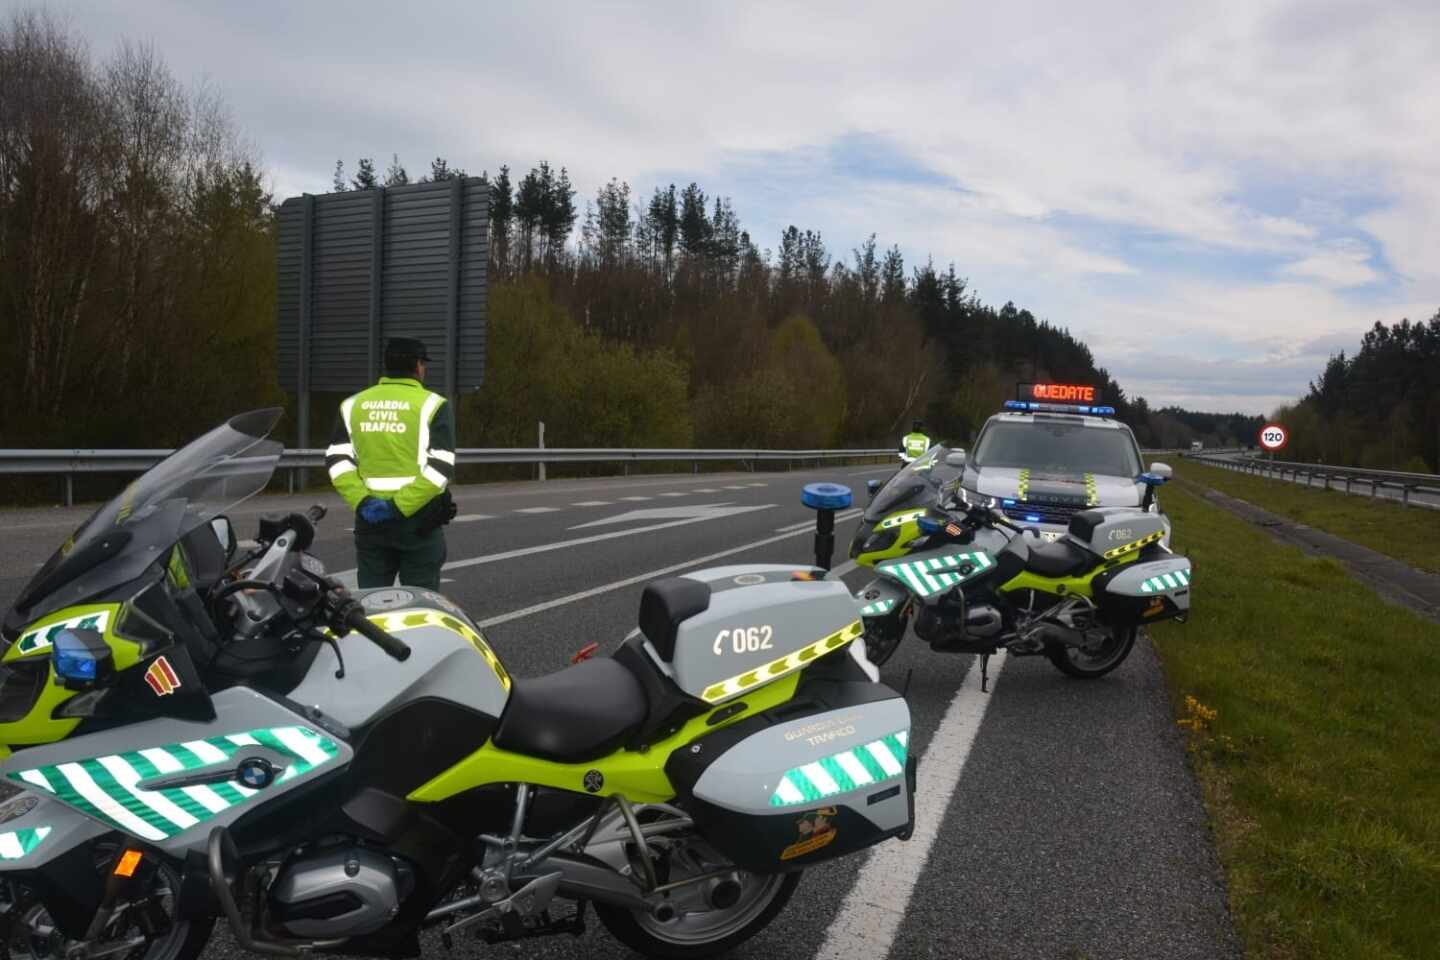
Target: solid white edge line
pixel 810 524
pixel 865 926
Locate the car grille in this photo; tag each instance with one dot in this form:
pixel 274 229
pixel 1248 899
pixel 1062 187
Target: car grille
pixel 1048 513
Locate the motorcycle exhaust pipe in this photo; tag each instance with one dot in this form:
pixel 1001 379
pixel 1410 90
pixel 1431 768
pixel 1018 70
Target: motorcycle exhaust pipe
pixel 220 849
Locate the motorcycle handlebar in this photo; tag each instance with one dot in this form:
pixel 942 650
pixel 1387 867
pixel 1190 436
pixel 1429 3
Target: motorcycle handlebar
pixel 356 620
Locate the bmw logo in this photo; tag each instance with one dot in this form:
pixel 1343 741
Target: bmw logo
pixel 256 773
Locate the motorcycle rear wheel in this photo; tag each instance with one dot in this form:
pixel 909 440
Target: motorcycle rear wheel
pixel 1075 662
pixel 700 921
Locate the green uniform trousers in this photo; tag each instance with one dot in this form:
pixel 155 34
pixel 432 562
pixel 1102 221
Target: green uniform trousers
pixel 397 547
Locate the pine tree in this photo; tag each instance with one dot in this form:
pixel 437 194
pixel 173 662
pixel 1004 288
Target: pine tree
pixel 502 211
pixel 892 278
pixel 694 224
pixel 338 184
pixel 365 179
pixel 612 223
pixel 396 174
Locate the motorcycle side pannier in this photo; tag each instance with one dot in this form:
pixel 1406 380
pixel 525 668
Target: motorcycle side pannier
pixel 1148 591
pixel 825 782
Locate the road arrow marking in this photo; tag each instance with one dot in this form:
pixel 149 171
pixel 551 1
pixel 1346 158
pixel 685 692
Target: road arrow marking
pixel 709 511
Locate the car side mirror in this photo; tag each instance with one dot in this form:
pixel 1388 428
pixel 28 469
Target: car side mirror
pixel 1161 470
pixel 225 533
pixel 955 458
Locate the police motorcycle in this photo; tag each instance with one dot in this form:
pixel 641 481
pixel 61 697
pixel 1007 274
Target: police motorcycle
pixel 973 581
pixel 194 734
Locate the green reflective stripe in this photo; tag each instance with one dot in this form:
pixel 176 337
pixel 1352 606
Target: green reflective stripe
pixel 842 772
pixel 16 844
pixel 108 788
pixel 877 608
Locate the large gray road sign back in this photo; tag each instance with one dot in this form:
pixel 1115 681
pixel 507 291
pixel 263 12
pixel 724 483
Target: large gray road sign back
pixel 359 267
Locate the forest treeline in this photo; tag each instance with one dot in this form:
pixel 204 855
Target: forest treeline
pixel 1379 408
pixel 137 293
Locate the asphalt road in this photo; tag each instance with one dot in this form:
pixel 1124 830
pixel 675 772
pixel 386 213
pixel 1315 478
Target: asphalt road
pixel 1061 819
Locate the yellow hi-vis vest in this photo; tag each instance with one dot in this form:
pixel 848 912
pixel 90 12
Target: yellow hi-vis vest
pixel 394 441
pixel 915 444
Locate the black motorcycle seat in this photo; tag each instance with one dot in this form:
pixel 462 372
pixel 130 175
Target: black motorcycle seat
pixel 664 605
pixel 1059 558
pixel 581 713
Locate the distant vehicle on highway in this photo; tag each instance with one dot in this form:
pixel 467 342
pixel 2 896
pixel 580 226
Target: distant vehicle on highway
pixel 1197 445
pixel 1040 463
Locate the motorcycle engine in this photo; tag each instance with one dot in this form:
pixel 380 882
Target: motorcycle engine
pixel 954 625
pixel 340 892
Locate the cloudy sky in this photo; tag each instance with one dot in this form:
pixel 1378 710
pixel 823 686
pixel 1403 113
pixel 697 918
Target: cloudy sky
pixel 1214 196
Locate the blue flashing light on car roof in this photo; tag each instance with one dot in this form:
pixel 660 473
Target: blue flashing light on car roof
pixel 1030 407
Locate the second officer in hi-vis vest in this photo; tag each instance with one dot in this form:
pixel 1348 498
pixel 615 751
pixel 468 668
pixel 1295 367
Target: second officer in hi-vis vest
pixel 392 457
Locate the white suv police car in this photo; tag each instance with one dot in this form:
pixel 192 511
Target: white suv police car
pixel 1041 463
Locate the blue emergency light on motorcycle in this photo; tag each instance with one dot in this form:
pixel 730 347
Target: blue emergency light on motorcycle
pixel 80 657
pixel 826 496
pixel 929 525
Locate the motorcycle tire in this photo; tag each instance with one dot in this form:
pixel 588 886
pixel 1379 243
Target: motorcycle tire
pixel 1064 658
pixel 641 933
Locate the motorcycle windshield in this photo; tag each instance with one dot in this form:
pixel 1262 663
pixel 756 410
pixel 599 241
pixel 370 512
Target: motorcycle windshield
pixel 120 540
pixel 919 483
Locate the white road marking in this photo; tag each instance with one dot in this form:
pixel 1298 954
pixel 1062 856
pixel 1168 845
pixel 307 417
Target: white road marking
pixel 591 503
pixel 839 571
pixel 636 499
pixel 713 511
pixel 538 510
pixel 867 922
pixel 757 484
pixel 867 473
pixel 347 577
pixel 674 493
pixel 736 486
pixel 706 490
pixel 847 515
pixel 471 517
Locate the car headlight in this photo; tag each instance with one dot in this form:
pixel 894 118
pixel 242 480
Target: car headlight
pixel 973 499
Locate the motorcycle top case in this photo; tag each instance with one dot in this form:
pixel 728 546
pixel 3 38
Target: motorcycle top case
pixel 1148 591
pixel 776 797
pixel 757 628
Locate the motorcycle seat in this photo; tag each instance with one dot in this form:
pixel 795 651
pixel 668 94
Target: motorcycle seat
pixel 581 713
pixel 664 605
pixel 1059 558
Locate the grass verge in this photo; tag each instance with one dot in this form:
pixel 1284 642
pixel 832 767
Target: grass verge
pixel 1405 533
pixel 1312 709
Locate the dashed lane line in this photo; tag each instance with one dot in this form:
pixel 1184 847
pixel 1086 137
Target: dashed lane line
pixel 866 925
pixel 538 510
pixel 472 517
pixel 347 577
pixel 591 503
pixel 636 499
pixel 648 575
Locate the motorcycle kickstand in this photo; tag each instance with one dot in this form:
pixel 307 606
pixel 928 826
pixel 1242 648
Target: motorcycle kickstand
pixel 984 672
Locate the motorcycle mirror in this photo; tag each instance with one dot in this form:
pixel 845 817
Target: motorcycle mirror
pixel 955 458
pixel 873 486
pixel 225 533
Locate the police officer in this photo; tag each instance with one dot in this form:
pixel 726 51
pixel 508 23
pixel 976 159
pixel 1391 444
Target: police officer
pixel 392 456
pixel 915 443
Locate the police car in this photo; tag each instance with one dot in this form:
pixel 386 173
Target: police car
pixel 1053 453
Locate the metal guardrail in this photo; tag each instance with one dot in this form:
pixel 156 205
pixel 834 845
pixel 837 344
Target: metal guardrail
pixel 1377 480
pixel 69 463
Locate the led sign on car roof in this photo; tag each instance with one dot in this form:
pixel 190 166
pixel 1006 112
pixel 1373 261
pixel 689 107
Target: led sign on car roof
pixel 1056 392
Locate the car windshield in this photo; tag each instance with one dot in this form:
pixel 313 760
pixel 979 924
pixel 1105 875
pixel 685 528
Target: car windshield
pixel 1058 447
pixel 190 487
pixel 917 484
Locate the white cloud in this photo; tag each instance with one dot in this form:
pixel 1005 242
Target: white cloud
pixel 1253 129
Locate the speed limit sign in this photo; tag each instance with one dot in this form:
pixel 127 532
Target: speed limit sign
pixel 1272 436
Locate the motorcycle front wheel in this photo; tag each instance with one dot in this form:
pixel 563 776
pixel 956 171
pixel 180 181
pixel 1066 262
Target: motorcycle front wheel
pixel 144 929
pixel 703 919
pixel 1095 662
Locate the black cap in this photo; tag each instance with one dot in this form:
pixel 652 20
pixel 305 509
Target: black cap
pixel 406 347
